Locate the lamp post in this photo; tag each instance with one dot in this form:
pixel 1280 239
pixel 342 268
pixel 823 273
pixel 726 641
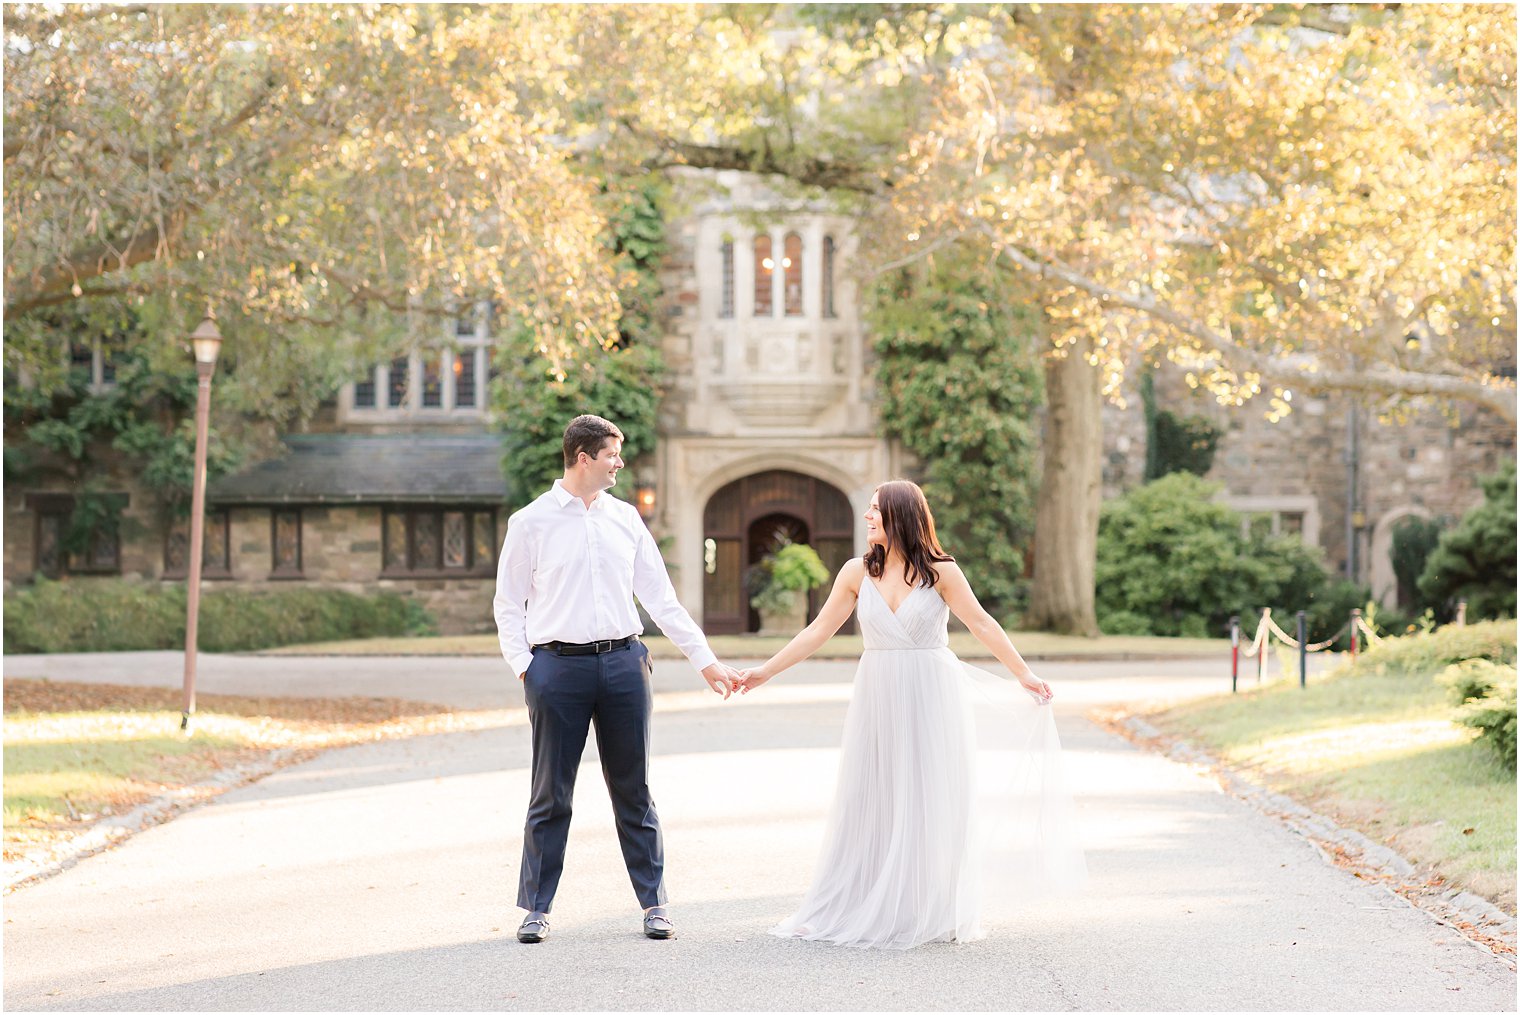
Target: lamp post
pixel 206 341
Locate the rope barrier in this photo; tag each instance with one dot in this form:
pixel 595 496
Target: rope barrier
pixel 1261 636
pixel 1267 628
pixel 1373 637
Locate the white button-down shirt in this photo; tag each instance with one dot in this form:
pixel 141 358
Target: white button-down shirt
pixel 569 573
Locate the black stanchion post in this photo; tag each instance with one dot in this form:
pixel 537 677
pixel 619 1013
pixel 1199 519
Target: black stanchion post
pixel 1356 632
pixel 1303 649
pixel 1234 653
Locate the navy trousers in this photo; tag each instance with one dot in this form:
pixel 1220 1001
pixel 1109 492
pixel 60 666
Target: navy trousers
pixel 566 695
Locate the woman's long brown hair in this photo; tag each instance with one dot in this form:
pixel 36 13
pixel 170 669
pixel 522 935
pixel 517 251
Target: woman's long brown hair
pixel 909 527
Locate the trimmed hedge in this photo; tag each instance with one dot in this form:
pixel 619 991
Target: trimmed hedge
pixel 113 615
pixel 1484 693
pixel 1431 653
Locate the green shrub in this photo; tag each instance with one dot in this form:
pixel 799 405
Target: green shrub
pixel 113 615
pixel 1475 560
pixel 1173 561
pixel 1414 540
pixel 1429 654
pixel 1484 693
pixel 1330 610
pixel 795 567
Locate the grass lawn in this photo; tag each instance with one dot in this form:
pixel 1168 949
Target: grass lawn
pixel 75 753
pixel 1378 754
pixel 1032 644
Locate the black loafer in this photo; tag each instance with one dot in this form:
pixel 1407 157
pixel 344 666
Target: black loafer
pixel 534 929
pixel 657 924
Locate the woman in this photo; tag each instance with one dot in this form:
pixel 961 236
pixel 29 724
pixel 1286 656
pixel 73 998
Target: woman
pixel 914 822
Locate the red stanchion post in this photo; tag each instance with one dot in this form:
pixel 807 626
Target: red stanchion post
pixel 1356 632
pixel 1234 654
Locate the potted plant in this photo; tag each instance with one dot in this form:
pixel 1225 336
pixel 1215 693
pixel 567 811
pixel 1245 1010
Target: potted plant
pixel 780 584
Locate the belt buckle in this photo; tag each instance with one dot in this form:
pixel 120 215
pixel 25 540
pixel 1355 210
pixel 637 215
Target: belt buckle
pixel 599 646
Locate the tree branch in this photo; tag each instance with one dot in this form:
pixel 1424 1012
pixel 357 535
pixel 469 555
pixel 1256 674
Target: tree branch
pixel 1496 395
pixel 93 262
pixel 41 28
pixel 812 171
pixel 1319 17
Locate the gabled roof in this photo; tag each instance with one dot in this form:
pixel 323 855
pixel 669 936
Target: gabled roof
pixel 360 468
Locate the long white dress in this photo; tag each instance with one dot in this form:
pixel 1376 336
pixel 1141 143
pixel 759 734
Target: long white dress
pixel 950 795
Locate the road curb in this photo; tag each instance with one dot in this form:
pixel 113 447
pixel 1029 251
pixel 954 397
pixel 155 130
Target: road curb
pixel 1479 921
pixel 55 859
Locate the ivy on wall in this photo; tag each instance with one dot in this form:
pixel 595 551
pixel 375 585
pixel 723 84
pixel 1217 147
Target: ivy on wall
pixel 1175 443
pixel 532 401
pixel 958 382
pixel 143 423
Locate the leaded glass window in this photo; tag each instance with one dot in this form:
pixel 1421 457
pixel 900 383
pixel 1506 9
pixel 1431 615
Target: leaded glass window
pixel 827 278
pixel 395 541
pixel 464 379
pixel 287 542
pixel 483 536
pixel 50 542
pixel 432 382
pixel 364 391
pixel 400 374
pixel 456 549
pixel 60 549
pixel 765 270
pixel 216 552
pixel 439 541
pixel 726 308
pixel 791 270
pixel 425 528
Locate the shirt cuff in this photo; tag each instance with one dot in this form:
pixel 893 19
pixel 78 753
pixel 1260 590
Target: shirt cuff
pixel 520 663
pixel 703 658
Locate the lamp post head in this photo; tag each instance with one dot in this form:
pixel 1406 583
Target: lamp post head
pixel 206 341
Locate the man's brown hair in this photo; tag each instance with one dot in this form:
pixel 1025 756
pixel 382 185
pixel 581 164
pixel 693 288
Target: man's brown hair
pixel 588 434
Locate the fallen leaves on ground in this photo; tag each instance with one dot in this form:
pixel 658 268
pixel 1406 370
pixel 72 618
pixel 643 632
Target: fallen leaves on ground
pixel 227 732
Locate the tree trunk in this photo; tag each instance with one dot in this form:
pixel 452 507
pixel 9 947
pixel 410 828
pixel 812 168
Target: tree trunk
pixel 1066 513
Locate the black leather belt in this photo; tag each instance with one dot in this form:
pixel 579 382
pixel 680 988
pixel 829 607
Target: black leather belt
pixel 588 648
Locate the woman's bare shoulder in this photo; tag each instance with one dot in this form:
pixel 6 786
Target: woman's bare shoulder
pixel 947 569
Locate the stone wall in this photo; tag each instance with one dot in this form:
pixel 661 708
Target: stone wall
pixel 341 548
pixel 1427 464
pixel 141 532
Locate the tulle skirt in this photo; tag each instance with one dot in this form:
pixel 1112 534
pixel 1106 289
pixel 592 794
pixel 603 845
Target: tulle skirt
pixel 951 807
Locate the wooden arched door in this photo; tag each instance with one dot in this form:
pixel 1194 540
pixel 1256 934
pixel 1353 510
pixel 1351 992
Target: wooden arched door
pixel 742 522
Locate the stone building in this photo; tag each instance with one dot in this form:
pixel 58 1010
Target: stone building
pixel 1330 471
pixel 768 429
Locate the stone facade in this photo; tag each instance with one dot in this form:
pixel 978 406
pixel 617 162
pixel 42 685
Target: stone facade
pixel 340 547
pixel 769 370
pixel 768 422
pixel 1330 469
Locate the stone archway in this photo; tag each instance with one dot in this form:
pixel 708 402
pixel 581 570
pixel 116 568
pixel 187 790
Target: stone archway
pixel 743 518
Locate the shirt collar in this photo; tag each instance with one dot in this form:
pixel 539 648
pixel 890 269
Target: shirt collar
pixel 563 497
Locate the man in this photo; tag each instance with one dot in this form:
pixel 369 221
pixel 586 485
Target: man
pixel 572 562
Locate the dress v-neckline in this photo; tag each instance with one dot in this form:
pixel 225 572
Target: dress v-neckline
pixel 882 596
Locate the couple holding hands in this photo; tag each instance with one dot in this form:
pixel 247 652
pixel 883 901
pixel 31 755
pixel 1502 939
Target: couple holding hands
pixel 949 782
